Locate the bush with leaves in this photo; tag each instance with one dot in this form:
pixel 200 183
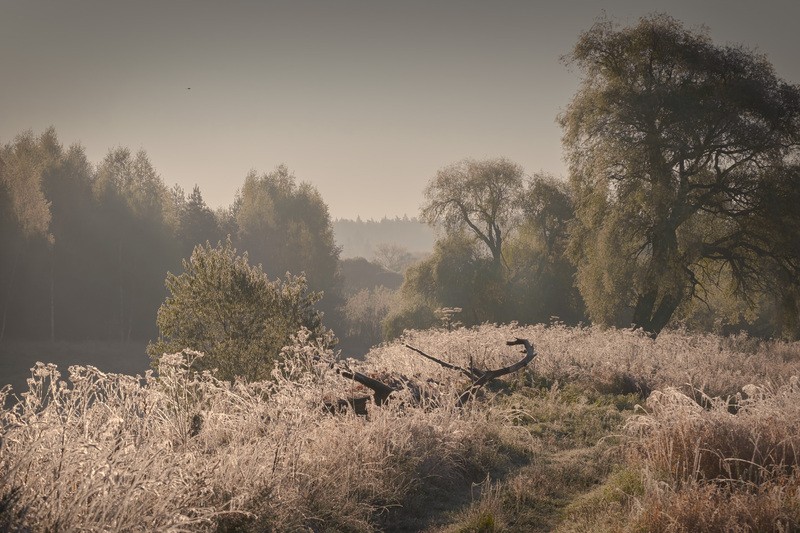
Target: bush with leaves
pixel 229 310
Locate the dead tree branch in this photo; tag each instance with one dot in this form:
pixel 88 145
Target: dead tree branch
pixel 482 377
pixel 382 391
pixel 472 373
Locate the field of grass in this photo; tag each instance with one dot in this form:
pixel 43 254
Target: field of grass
pixel 604 431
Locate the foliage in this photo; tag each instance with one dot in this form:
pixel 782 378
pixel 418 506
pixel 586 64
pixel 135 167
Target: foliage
pixel 24 209
pixel 135 207
pixel 503 254
pixel 286 227
pixel 84 249
pixel 457 274
pixel 22 164
pixel 230 311
pixel 365 312
pixel 680 156
pixel 408 314
pixel 393 257
pixel 541 277
pixel 196 222
pixel 103 241
pixel 358 274
pixel 480 197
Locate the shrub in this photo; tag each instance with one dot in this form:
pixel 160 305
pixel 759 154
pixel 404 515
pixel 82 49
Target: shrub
pixel 231 312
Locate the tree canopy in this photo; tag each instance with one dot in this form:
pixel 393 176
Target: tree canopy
pixel 683 161
pixel 480 197
pixel 286 227
pixel 502 254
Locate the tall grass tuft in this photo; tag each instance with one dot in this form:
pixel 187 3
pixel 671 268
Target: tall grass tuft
pixel 710 469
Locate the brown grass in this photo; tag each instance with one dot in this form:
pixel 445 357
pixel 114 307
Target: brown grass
pixel 564 444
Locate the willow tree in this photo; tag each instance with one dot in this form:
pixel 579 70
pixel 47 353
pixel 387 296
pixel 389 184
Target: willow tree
pixel 680 154
pixel 479 197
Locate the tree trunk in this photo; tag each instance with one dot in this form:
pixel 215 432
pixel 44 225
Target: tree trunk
pixel 653 312
pixel 651 318
pixel 10 290
pixel 52 295
pixel 121 296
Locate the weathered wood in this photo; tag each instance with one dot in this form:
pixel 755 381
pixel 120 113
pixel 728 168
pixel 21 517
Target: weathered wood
pixel 357 403
pixel 471 373
pixel 382 391
pixel 489 375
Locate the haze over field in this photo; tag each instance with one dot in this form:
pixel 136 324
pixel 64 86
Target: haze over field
pixel 365 100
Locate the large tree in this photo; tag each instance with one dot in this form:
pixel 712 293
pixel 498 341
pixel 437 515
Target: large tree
pixel 24 210
pixel 138 236
pixel 680 154
pixel 196 221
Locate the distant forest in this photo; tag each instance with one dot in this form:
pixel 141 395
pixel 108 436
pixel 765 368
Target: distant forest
pixel 361 238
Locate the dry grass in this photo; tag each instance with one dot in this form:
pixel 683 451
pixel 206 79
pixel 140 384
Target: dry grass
pixel 563 443
pixel 608 360
pixel 188 452
pixel 708 469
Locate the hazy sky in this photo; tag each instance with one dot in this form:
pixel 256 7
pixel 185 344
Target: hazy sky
pixel 366 100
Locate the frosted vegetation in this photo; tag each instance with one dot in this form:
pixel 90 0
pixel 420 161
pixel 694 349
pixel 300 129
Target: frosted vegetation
pixel 605 430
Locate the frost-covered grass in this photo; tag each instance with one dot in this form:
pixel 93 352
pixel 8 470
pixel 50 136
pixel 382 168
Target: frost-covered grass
pixel 606 430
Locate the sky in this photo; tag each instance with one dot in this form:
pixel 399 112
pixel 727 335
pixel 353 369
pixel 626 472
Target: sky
pixel 366 100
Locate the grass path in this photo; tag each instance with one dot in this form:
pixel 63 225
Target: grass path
pixel 564 448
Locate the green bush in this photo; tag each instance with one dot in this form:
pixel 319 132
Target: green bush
pixel 230 311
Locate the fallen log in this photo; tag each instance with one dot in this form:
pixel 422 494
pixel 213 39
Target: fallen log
pixel 382 391
pixel 482 377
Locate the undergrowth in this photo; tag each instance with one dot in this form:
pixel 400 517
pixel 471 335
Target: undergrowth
pixel 604 431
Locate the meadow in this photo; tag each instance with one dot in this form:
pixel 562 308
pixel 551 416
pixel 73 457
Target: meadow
pixel 606 430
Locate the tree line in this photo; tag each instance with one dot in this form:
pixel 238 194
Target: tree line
pixel 375 239
pixel 86 248
pixel 682 205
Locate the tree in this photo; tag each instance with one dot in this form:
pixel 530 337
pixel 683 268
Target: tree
pixel 503 253
pixel 541 284
pixel 139 238
pixel 364 313
pixel 196 222
pixel 73 269
pixel 24 210
pixel 287 228
pixel 393 257
pixel 678 151
pixel 229 310
pixel 457 274
pixel 476 196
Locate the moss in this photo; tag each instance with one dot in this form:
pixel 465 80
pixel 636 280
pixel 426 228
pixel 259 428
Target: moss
pixel 604 508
